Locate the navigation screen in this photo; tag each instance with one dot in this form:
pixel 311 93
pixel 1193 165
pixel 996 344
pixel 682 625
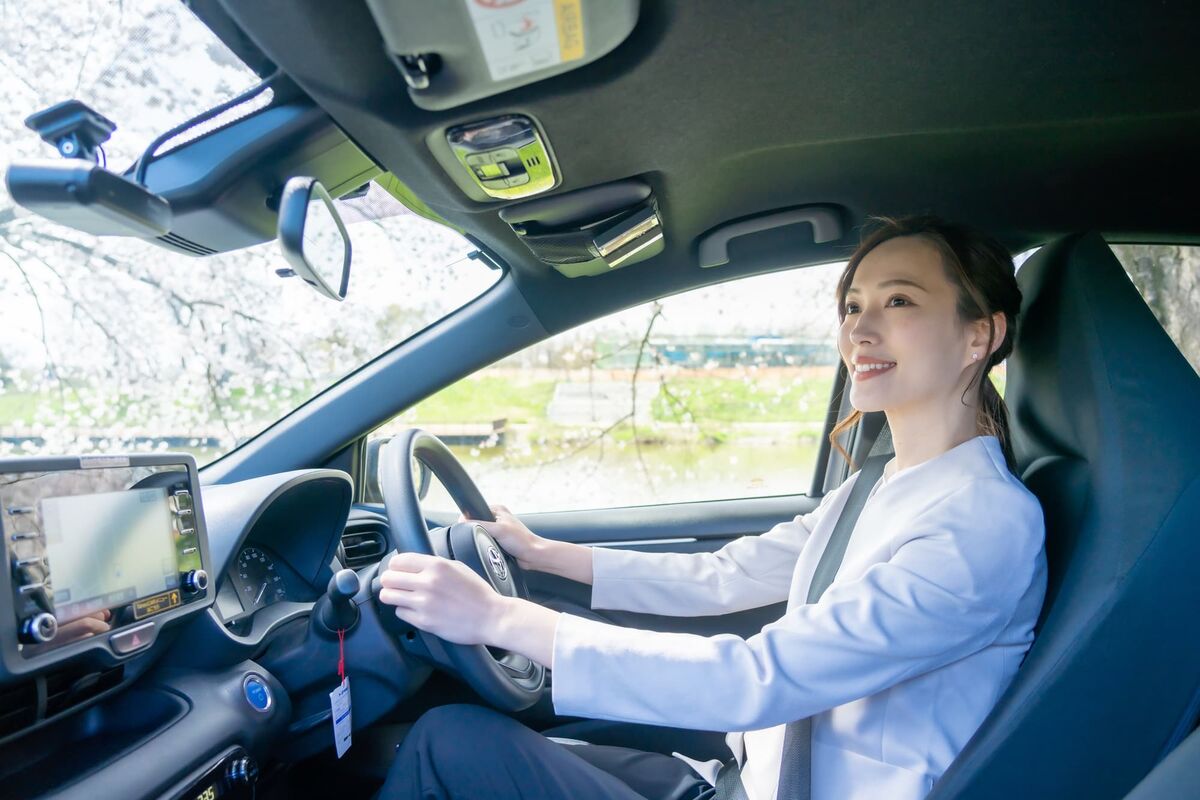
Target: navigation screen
pixel 108 549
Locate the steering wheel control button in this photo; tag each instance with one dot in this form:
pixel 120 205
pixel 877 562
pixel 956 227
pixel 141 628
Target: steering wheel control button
pixel 132 640
pixel 257 693
pixel 39 629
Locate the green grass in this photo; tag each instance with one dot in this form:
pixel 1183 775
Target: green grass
pixel 24 406
pixel 736 400
pixel 483 398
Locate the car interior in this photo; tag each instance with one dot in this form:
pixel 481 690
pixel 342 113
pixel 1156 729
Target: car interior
pixel 666 146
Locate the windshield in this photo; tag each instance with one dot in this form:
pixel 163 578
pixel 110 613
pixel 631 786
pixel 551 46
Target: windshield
pixel 111 344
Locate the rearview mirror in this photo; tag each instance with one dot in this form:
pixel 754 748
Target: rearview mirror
pixel 314 240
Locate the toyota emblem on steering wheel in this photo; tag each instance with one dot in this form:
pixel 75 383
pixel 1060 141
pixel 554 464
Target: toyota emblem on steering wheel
pixel 497 561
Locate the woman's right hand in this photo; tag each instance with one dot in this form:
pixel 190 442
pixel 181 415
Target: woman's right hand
pixel 514 536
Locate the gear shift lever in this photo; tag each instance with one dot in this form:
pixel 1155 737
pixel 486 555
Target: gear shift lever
pixel 336 610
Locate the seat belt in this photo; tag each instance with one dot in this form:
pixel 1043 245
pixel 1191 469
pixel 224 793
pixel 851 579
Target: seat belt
pixel 795 773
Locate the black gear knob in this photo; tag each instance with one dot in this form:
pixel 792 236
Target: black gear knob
pixel 337 609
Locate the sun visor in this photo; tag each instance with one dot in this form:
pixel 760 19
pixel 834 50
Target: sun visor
pixel 456 51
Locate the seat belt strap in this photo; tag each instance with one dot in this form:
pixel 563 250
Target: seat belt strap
pixel 795 771
pixel 795 774
pixel 835 548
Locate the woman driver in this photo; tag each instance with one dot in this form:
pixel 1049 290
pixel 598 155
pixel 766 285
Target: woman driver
pixel 899 661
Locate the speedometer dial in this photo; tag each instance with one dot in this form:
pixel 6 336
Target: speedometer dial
pixel 261 582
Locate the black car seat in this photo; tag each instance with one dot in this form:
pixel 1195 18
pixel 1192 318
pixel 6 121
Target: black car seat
pixel 1104 412
pixel 1178 775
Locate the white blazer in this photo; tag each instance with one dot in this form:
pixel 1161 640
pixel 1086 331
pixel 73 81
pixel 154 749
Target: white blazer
pixel 907 651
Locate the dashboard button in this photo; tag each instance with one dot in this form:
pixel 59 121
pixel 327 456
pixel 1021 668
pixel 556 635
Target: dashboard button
pixel 133 639
pixel 181 502
pixel 257 693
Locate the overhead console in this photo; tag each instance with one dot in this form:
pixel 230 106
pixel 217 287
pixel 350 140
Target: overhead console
pixel 591 231
pixel 103 552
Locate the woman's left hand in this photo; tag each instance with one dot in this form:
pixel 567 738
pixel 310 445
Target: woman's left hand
pixel 442 597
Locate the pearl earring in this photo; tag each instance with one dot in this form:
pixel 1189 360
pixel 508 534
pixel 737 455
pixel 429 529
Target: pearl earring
pixel 975 356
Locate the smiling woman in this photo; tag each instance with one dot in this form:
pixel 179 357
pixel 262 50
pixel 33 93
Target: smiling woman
pixel 921 303
pixel 216 348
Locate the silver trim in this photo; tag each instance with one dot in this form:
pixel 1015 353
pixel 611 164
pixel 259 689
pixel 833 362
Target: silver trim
pixel 626 231
pixel 195 581
pixel 266 687
pixel 35 624
pixel 634 250
pixel 678 540
pixel 497 562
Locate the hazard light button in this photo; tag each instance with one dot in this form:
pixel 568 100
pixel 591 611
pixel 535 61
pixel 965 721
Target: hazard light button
pixel 133 639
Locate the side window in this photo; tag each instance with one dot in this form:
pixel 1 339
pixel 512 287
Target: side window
pixel 717 393
pixel 1168 277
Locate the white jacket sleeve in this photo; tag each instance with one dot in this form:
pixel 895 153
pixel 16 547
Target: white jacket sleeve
pixel 749 572
pixel 953 583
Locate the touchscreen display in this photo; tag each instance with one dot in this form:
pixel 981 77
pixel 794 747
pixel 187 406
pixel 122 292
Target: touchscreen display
pixel 107 549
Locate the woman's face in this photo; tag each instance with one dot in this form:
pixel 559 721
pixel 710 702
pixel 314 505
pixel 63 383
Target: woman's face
pixel 902 340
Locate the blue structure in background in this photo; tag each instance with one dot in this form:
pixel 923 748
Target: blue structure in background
pixel 763 351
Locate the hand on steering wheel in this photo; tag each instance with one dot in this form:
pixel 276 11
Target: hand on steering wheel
pixel 511 534
pixel 457 579
pixel 442 597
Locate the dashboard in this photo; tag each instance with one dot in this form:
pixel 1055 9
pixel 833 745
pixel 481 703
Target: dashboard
pixel 199 607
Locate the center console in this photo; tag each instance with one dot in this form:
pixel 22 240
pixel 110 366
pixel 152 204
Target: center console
pixel 102 552
pixel 106 560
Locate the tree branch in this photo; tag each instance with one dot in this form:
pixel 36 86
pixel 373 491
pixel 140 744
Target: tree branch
pixel 637 367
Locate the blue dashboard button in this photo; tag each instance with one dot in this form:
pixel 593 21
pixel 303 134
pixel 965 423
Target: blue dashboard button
pixel 258 694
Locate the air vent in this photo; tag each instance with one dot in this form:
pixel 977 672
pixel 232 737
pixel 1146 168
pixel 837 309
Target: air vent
pixel 364 542
pixel 18 708
pixel 66 689
pixel 177 242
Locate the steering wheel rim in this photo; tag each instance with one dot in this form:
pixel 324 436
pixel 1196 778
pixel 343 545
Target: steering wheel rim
pixel 510 681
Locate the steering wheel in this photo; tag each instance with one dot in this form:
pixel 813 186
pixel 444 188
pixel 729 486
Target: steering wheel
pixel 509 681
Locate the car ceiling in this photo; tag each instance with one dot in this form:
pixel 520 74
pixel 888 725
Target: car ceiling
pixel 1028 120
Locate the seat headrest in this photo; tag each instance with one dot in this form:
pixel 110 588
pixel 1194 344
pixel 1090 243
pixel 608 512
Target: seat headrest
pixel 1093 376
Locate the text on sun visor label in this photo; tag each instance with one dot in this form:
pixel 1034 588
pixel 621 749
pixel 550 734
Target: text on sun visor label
pixel 522 36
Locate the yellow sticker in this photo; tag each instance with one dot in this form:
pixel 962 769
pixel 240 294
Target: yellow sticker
pixel 156 604
pixel 568 14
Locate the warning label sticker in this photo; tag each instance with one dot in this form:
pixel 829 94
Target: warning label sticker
pixel 523 36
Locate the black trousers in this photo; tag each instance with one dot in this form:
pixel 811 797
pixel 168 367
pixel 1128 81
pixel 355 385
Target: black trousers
pixel 464 752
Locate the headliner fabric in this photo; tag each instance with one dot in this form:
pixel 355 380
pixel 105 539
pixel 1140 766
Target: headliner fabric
pixel 1102 404
pixel 1027 120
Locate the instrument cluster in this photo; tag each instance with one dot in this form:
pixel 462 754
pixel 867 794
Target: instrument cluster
pixel 257 578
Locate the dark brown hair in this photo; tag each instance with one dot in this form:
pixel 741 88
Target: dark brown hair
pixel 982 270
